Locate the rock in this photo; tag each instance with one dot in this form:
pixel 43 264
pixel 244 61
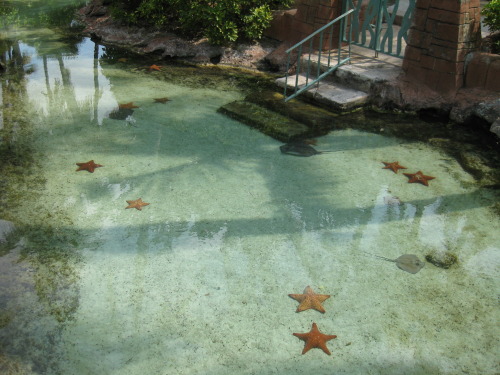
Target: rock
pixel 490 110
pixel 277 59
pixel 6 227
pixel 475 103
pixel 248 55
pixel 95 8
pixel 442 259
pixel 495 127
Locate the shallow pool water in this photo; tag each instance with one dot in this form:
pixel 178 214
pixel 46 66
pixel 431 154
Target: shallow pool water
pixel 197 282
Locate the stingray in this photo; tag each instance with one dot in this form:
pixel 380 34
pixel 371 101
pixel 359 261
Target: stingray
pixel 300 148
pixel 121 113
pixel 406 262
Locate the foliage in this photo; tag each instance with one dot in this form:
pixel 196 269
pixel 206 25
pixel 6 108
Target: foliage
pixel 220 21
pixel 491 13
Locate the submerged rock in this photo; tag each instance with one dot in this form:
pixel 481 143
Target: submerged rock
pixel 442 259
pixel 121 113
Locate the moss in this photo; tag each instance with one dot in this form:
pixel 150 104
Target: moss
pixel 220 77
pixel 48 239
pixel 271 123
pixel 442 259
pixel 5 318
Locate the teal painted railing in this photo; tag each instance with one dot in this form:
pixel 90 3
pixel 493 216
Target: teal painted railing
pixel 306 48
pixel 375 27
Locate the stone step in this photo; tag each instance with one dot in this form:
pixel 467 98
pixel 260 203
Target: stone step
pixel 275 125
pixel 363 72
pixel 316 118
pixel 334 95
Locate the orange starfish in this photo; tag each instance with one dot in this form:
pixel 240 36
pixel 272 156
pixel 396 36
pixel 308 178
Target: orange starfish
pixel 138 203
pixel 155 67
pixel 310 300
pixel 127 105
pixel 394 166
pixel 315 339
pixel 162 100
pixel 419 177
pixel 88 166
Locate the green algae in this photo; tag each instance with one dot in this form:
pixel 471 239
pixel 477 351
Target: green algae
pixel 218 77
pixel 442 259
pixel 268 122
pixel 48 237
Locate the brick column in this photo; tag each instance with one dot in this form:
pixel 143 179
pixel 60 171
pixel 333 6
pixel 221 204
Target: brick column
pixel 442 34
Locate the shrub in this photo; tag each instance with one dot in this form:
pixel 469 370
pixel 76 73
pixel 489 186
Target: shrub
pixel 491 13
pixel 221 21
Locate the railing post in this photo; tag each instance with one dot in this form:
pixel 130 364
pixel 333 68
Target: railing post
pixel 310 39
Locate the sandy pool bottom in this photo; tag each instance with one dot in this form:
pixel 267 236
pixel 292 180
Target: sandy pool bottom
pixel 198 281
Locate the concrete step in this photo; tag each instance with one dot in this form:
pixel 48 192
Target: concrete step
pixel 316 118
pixel 363 72
pixel 275 125
pixel 336 96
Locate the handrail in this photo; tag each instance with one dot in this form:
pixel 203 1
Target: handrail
pixel 319 30
pixel 310 39
pixel 375 27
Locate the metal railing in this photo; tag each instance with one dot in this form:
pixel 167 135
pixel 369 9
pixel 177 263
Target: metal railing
pixel 374 27
pixel 309 44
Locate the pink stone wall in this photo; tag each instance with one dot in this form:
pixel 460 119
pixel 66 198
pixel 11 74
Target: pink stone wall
pixel 443 33
pixel 309 15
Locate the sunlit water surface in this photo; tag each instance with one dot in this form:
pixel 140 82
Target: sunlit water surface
pixel 198 281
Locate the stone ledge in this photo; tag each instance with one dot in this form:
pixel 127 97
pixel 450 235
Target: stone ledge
pixel 279 127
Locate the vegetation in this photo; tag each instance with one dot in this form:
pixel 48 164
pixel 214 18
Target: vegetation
pixel 222 21
pixel 491 13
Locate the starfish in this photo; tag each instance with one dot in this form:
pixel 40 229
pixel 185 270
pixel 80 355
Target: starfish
pixel 88 166
pixel 155 67
pixel 127 105
pixel 138 203
pixel 419 177
pixel 162 100
pixel 394 166
pixel 315 339
pixel 310 300
pixel 122 59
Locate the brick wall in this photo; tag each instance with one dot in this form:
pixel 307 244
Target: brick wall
pixel 309 15
pixel 442 34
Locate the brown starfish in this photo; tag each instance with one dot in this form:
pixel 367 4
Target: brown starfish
pixel 310 300
pixel 315 339
pixel 419 177
pixel 394 166
pixel 155 67
pixel 138 203
pixel 162 100
pixel 88 166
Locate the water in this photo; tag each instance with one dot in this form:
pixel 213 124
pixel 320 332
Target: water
pixel 197 282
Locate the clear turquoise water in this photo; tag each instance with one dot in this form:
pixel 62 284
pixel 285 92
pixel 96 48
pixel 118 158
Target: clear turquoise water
pixel 198 281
